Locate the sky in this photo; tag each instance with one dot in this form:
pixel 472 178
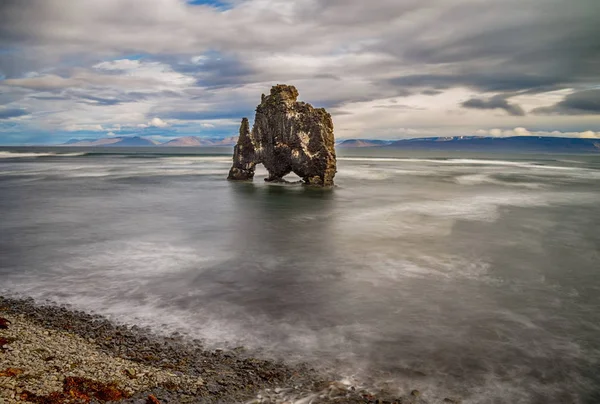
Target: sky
pixel 384 69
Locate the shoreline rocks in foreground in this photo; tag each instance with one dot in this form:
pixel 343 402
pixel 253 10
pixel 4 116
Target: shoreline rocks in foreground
pixel 287 136
pixel 52 355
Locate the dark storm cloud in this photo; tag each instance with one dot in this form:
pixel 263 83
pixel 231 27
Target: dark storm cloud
pixel 352 13
pixel 327 101
pixel 6 113
pixel 223 72
pixel 496 102
pixel 496 46
pixel 211 69
pixel 8 97
pixel 13 63
pixel 138 96
pixel 502 82
pixel 400 107
pixel 327 76
pixel 49 97
pixel 13 13
pixel 580 103
pixel 431 92
pixel 204 115
pixel 87 98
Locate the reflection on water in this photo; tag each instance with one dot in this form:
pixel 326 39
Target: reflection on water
pixel 457 275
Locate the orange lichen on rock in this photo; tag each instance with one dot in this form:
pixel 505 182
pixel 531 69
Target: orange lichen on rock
pixel 79 390
pixel 10 372
pixel 152 400
pixel 5 341
pixel 80 387
pixel 52 398
pixel 4 323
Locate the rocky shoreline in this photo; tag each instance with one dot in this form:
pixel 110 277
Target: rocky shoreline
pixel 52 355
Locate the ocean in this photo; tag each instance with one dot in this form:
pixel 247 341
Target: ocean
pixel 457 274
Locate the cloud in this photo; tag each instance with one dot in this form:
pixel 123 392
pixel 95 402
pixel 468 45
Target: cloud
pixel 87 62
pixel 154 123
pixel 204 115
pixel 485 82
pixel 126 65
pixel 580 103
pixel 495 102
pixel 158 123
pixel 139 76
pixel 84 128
pixel 497 46
pixel 431 92
pixel 7 113
pixel 44 83
pixel 520 131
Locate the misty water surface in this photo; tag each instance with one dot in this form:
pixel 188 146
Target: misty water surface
pixel 464 275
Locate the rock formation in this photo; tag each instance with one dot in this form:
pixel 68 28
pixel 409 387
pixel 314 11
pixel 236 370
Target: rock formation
pixel 287 136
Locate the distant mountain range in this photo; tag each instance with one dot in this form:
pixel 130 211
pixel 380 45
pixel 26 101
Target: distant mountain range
pixel 195 141
pixel 363 143
pixel 126 141
pixel 535 144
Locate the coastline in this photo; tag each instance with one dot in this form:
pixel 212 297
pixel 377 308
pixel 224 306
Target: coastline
pixel 52 355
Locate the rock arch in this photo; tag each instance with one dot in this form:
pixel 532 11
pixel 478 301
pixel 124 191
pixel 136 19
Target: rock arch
pixel 287 136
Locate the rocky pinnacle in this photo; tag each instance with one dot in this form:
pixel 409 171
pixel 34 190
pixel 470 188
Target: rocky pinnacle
pixel 287 136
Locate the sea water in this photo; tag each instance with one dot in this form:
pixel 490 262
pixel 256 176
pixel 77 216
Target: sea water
pixel 457 274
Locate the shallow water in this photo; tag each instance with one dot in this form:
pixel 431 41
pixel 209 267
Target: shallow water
pixel 466 275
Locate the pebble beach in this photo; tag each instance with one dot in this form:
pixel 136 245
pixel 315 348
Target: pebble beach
pixel 53 355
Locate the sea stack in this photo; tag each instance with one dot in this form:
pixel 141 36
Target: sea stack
pixel 287 136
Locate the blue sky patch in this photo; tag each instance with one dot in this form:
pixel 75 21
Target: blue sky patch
pixel 222 5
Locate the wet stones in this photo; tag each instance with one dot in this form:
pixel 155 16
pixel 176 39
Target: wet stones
pixel 52 353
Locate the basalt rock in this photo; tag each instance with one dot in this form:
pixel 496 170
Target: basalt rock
pixel 287 136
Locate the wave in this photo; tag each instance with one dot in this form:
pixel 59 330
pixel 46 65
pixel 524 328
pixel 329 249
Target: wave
pixel 376 159
pixel 479 162
pixel 150 172
pixel 436 161
pixel 217 159
pixel 116 171
pixel 365 173
pixel 383 173
pixel 479 179
pixel 476 208
pixel 12 155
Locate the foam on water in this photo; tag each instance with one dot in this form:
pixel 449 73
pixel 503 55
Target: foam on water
pixel 484 207
pixel 365 173
pixel 478 179
pixel 117 283
pixel 12 155
pixel 196 159
pixel 461 162
pixel 440 161
pixel 117 172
